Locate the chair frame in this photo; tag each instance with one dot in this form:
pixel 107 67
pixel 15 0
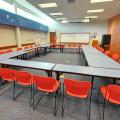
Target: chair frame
pixel 104 101
pixel 63 100
pixel 55 94
pixel 16 96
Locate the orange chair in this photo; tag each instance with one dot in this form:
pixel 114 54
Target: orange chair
pixel 10 50
pixel 101 49
pixel 7 76
pixel 115 57
pixel 26 47
pixel 76 89
pixel 46 85
pixel 107 53
pixel 97 47
pixel 24 79
pixel 2 52
pixel 111 93
pixel 19 48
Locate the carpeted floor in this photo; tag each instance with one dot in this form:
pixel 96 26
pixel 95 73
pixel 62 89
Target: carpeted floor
pixel 75 108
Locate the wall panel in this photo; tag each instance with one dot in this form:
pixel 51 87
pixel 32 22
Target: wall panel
pixel 114 30
pixel 7 36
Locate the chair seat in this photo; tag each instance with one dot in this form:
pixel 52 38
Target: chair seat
pixel 77 95
pixel 53 88
pixel 106 95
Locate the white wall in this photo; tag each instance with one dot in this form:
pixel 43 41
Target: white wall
pixel 101 27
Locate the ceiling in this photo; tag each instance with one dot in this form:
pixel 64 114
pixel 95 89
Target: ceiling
pixel 75 11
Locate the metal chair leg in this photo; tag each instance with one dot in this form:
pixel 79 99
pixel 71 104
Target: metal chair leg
pixel 98 95
pixel 103 108
pixel 55 106
pixel 31 96
pixel 14 91
pixel 63 107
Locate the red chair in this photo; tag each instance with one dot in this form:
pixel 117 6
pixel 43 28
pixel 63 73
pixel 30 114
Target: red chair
pixel 76 89
pixel 26 47
pixel 6 75
pixel 19 48
pixel 101 49
pixel 107 53
pixel 10 50
pixel 115 57
pixel 2 52
pixel 96 46
pixel 23 79
pixel 111 93
pixel 46 85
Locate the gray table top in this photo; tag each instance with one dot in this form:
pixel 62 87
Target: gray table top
pixel 99 59
pixel 45 45
pixel 13 54
pixel 89 49
pixel 28 64
pixel 83 70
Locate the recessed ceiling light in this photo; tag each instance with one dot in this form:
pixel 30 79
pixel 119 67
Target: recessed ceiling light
pixel 85 20
pixel 93 11
pixel 91 17
pixel 65 21
pixel 48 5
pixel 61 18
pixel 97 1
pixel 56 14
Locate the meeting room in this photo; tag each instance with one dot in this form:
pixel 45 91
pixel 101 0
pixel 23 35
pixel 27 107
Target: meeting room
pixel 59 59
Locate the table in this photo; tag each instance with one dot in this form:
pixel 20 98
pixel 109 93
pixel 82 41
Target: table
pixel 13 54
pixel 89 49
pixel 30 64
pixel 45 46
pixel 96 58
pixel 89 71
pixel 60 46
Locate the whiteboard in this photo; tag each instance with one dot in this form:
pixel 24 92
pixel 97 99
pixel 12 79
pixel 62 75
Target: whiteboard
pixel 75 37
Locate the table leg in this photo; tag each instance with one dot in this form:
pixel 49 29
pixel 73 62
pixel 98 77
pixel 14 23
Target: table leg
pixel 114 80
pixel 91 97
pixel 57 76
pixel 62 49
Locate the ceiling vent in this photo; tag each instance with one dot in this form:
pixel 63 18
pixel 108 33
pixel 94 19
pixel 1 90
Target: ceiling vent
pixel 71 1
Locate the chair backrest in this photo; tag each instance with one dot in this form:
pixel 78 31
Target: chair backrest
pixel 78 87
pixel 101 49
pixel 107 53
pixel 23 77
pixel 31 46
pixel 10 50
pixel 2 52
pixel 46 83
pixel 19 49
pixel 6 74
pixel 114 92
pixel 26 47
pixel 115 57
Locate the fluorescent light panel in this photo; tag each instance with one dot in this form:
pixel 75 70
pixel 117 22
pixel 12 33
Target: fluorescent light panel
pixel 48 5
pixel 85 20
pixel 97 10
pixel 56 14
pixel 91 17
pixel 97 1
pixel 61 18
pixel 65 21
